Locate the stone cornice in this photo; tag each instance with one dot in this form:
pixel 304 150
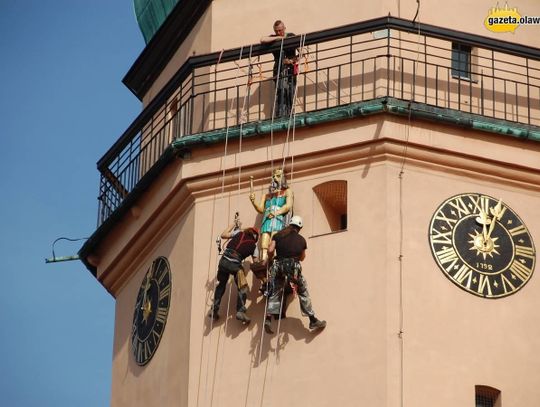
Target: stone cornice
pixel 183 197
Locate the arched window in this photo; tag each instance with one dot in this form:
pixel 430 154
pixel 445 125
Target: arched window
pixel 330 207
pixel 487 396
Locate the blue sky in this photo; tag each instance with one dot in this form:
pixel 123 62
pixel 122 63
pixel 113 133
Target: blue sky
pixel 62 105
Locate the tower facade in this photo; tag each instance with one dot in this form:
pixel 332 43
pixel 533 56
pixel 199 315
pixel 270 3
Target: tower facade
pixel 412 150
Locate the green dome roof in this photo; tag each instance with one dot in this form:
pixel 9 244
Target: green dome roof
pixel 151 14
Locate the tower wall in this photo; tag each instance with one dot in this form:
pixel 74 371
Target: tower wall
pixel 450 341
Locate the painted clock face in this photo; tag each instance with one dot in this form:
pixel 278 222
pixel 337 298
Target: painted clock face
pixel 151 310
pixel 482 245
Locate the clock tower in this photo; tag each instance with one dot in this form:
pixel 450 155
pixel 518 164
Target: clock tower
pixel 410 143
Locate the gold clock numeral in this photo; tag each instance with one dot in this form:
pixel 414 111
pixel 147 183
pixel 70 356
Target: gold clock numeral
pixel 139 352
pixel 164 293
pixel 441 237
pixel 464 273
pixel 508 287
pixel 156 336
pixel 525 251
pixel 460 206
pixel 161 276
pixel 521 271
pixel 161 315
pixel 147 350
pixel 160 266
pixel 447 255
pixel 518 230
pixel 480 202
pixel 442 217
pixel 134 339
pixel 484 284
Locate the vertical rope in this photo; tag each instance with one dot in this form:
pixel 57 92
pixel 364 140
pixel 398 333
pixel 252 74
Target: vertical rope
pixel 208 279
pixel 277 341
pixel 224 167
pixel 401 256
pixel 242 119
pixel 271 171
pixel 227 132
pixel 274 108
pixel 292 118
pixel 222 196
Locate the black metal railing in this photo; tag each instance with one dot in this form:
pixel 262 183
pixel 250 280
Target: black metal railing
pixel 359 62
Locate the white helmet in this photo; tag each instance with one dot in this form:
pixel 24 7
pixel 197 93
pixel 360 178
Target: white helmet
pixel 296 221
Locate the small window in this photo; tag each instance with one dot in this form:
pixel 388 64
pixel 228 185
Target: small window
pixel 461 61
pixel 330 207
pixel 487 397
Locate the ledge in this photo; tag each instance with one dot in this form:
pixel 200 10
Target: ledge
pixel 380 105
pixel 181 147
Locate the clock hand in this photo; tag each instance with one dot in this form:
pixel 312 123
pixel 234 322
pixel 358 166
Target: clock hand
pixel 146 288
pixel 497 213
pixel 147 309
pixel 483 219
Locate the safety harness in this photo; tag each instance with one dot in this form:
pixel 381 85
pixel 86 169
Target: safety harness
pixel 288 268
pixel 232 254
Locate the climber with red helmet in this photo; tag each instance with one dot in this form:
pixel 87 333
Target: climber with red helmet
pixel 243 244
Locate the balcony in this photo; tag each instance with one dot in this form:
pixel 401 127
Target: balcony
pixel 387 64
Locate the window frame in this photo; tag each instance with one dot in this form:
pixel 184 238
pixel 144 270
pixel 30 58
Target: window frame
pixel 487 396
pixel 461 62
pixel 336 219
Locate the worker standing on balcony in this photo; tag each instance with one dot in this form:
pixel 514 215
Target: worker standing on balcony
pixel 285 70
pixel 243 244
pixel 289 248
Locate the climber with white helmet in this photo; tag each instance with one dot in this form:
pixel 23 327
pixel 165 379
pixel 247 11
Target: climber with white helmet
pixel 289 249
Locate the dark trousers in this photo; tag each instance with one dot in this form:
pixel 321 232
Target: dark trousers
pixel 227 268
pixel 286 85
pixel 283 273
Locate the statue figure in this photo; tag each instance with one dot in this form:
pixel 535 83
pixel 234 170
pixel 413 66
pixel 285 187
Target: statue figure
pixel 275 207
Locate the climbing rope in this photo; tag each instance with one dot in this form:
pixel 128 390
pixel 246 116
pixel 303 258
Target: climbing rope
pixel 279 69
pixel 243 119
pixel 401 174
pixel 224 167
pixel 292 119
pixel 291 123
pixel 274 108
pixel 209 298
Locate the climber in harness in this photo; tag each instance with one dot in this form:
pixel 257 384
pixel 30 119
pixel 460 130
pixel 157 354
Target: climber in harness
pixel 285 70
pixel 289 248
pixel 243 244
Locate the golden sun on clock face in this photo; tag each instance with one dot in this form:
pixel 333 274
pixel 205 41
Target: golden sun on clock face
pixel 482 245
